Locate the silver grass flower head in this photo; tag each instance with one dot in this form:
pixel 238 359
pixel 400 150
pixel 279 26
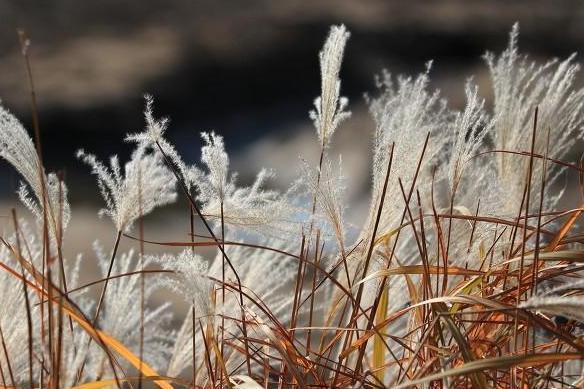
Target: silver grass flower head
pixel 519 87
pixel 266 275
pixel 189 280
pixel 153 137
pixel 182 351
pixel 215 158
pixel 329 189
pixel 12 319
pixel 18 149
pixel 252 208
pixel 470 127
pixel 145 184
pixel 155 128
pixel 405 111
pixel 76 353
pixel 121 316
pixel 269 275
pixel 330 106
pixel 57 198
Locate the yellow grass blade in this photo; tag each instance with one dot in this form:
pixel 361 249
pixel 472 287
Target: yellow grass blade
pixel 378 345
pixel 419 269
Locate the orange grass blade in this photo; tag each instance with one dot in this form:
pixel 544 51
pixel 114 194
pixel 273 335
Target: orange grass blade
pixel 99 336
pixel 106 383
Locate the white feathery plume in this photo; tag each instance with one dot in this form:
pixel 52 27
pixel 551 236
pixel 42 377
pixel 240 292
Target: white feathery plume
pixel 146 183
pixel 13 314
pixel 121 315
pixel 469 178
pixel 12 324
pixel 252 208
pixel 404 113
pixel 191 282
pixel 266 275
pixel 470 127
pixel 216 184
pixel 76 353
pixel 18 149
pixel 329 106
pixel 519 87
pixel 329 188
pixel 153 136
pixel 189 279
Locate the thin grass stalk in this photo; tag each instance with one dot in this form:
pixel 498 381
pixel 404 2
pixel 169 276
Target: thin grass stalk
pixel 420 240
pixel 425 259
pixel 297 296
pixel 2 376
pixel 101 298
pixel 210 370
pixel 223 279
pixel 369 254
pixel 357 303
pixel 312 214
pixel 108 275
pixel 194 344
pixel 210 230
pixel 474 226
pixel 384 280
pixel 524 243
pixel 448 236
pixel 47 261
pixel 378 350
pixel 534 280
pixel 26 301
pixel 7 357
pixel 142 280
pixel 314 273
pixel 25 44
pixel 62 286
pixel 438 230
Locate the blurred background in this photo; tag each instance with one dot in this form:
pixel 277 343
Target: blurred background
pixel 246 69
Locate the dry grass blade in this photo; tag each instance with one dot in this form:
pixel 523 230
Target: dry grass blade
pixel 576 256
pixel 420 269
pixel 378 344
pixel 496 363
pixel 103 339
pixel 286 350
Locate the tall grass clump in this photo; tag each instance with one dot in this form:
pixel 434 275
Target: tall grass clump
pixel 467 271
